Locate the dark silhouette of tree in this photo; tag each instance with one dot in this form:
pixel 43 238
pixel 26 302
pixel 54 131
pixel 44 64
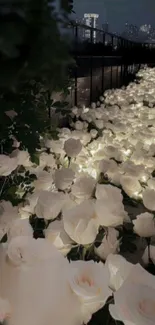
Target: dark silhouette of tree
pixel 31 45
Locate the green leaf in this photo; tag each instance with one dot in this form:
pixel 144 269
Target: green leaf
pixel 35 158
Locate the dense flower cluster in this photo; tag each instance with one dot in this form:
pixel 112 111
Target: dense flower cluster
pixel 65 239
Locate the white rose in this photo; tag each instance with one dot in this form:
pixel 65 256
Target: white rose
pixel 72 147
pixel 151 183
pixel 44 181
pixel 135 300
pixel 7 165
pixel 131 186
pixel 46 159
pixel 109 245
pixel 119 268
pixel 69 202
pixel 93 133
pixel 27 250
pixel 30 204
pixel 105 165
pixel 25 278
pixel 8 213
pixel 49 205
pixel 114 175
pixel 23 157
pixel 85 138
pixel 83 187
pixel 58 237
pixel 144 225
pixel 109 214
pixel 80 223
pixel 55 146
pixel 89 282
pixel 113 152
pixel 63 178
pixel 149 199
pixel 5 310
pixel 147 252
pixel 85 125
pixel 99 124
pixel 20 227
pixel 108 192
pixel 79 125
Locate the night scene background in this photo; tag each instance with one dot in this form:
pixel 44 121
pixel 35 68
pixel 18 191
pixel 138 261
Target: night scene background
pixel 133 19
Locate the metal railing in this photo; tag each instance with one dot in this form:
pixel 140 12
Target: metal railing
pixel 116 59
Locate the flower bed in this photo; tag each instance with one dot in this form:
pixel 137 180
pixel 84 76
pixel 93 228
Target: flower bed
pixel 77 222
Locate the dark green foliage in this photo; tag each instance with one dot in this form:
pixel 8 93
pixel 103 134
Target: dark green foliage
pixel 11 184
pixel 30 122
pixel 103 317
pixel 38 226
pixel 31 45
pixel 128 238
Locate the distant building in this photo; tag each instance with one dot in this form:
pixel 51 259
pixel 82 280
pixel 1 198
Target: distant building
pixel 145 28
pixel 91 21
pixel 144 33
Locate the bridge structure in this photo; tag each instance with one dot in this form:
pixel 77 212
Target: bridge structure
pixel 109 62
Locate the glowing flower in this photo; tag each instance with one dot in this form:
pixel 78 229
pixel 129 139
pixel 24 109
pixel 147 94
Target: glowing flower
pixel 109 245
pixel 72 147
pixel 89 282
pixel 144 225
pixel 80 223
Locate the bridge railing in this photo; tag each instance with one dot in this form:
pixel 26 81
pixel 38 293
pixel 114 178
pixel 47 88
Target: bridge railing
pixel 110 58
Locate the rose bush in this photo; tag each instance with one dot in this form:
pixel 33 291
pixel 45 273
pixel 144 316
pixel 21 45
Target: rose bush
pixel 77 214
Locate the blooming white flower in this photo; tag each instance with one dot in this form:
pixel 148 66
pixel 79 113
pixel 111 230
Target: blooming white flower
pixel 83 187
pixel 151 183
pixel 46 159
pixel 93 133
pixel 72 147
pixel 63 178
pixel 89 282
pixel 149 199
pixel 27 250
pixel 8 214
pixel 58 237
pixel 105 165
pixel 119 269
pixel 49 205
pixel 7 165
pixel 144 225
pixel 79 125
pixel 80 223
pixel 134 301
pixel 5 310
pixel 131 186
pixel 44 181
pixel 108 192
pixel 109 214
pixel 99 124
pixel 30 204
pixel 25 274
pixel 55 146
pixel 23 157
pixel 109 245
pixel 20 227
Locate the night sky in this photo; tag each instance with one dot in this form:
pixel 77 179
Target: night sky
pixel 118 12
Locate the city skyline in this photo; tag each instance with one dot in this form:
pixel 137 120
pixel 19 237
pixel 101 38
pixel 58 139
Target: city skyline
pixel 118 12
